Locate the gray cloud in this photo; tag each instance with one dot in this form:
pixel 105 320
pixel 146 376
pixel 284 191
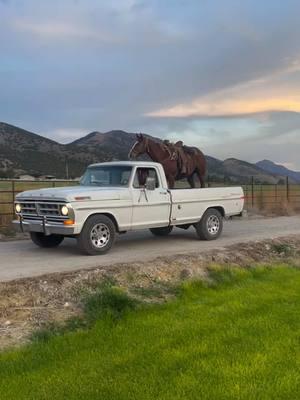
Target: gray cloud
pixel 281 124
pixel 77 65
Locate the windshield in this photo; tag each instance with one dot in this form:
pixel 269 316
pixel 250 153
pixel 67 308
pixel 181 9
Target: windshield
pixel 113 175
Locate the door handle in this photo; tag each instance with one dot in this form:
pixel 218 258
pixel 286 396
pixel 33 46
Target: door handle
pixel 163 192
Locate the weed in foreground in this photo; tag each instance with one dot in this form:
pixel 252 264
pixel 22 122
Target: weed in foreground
pixel 108 301
pixel 283 249
pixel 105 301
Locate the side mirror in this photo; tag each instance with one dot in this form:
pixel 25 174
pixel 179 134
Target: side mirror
pixel 150 183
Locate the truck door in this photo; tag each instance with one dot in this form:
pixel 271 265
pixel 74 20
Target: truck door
pixel 151 208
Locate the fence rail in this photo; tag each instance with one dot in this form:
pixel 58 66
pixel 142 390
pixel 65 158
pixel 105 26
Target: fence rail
pixel 269 197
pixel 9 188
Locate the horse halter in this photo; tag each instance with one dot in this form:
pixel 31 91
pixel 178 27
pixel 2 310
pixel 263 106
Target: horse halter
pixel 133 153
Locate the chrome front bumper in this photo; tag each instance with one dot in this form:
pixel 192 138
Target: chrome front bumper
pixel 43 226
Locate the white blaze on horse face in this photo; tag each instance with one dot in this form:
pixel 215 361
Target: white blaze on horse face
pixel 131 152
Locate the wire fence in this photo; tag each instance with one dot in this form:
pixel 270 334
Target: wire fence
pixel 265 196
pixel 272 198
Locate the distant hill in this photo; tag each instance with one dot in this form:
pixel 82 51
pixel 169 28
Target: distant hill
pixel 239 169
pixel 24 152
pixel 115 144
pixel 234 170
pixel 273 168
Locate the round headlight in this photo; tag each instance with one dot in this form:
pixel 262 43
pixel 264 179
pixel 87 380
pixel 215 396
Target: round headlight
pixel 18 208
pixel 64 210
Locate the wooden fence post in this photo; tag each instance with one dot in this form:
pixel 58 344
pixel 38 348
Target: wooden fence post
pixel 252 191
pixel 287 189
pixel 246 203
pixel 13 192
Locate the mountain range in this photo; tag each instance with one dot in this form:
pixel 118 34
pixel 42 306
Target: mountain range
pixel 276 169
pixel 24 152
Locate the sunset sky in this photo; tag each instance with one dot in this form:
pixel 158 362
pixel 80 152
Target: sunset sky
pixel 222 75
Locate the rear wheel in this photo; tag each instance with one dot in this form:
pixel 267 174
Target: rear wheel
pixel 41 240
pixel 97 236
pixel 164 231
pixel 210 226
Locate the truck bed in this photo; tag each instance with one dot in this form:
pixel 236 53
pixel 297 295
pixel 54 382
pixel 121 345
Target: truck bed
pixel 189 204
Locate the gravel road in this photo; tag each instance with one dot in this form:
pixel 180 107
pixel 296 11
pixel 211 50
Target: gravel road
pixel 19 259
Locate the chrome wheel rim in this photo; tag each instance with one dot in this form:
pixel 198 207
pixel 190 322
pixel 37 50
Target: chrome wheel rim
pixel 100 235
pixel 213 224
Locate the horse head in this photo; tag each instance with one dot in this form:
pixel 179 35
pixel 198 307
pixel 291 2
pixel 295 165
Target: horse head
pixel 139 147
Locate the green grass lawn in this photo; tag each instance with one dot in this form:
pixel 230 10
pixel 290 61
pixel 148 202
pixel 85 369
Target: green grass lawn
pixel 239 338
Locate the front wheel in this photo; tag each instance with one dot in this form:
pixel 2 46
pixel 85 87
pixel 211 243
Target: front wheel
pixel 97 236
pixel 41 240
pixel 164 231
pixel 210 226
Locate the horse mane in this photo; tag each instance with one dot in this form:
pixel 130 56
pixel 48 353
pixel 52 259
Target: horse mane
pixel 160 144
pixel 165 148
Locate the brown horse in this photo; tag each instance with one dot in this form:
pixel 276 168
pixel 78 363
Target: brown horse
pixel 159 152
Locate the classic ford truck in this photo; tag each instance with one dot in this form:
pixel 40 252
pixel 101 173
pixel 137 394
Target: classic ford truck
pixel 116 197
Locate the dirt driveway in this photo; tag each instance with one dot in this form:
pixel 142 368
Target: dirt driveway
pixel 19 259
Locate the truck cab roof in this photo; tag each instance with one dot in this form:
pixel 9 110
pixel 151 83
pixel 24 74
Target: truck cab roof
pixel 146 164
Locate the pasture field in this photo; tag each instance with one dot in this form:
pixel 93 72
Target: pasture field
pixel 236 337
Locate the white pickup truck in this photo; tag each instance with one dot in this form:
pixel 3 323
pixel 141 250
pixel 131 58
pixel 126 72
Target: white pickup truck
pixel 116 197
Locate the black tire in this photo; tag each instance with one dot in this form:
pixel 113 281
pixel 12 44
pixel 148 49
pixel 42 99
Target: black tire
pixel 164 231
pixel 210 226
pixel 41 240
pixel 97 235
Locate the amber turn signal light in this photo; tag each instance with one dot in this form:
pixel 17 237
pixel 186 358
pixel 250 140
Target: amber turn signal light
pixel 69 222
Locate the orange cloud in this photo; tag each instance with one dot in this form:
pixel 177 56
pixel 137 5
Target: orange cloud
pixel 229 107
pixel 253 97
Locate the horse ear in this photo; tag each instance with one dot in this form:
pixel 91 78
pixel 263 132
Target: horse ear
pixel 139 137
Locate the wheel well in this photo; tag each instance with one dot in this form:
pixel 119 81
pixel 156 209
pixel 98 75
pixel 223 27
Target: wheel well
pixel 112 217
pixel 219 208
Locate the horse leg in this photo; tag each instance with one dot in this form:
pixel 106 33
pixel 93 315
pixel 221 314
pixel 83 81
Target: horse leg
pixel 191 181
pixel 171 182
pixel 201 179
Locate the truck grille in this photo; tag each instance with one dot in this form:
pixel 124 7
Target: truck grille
pixel 41 209
pixel 28 208
pixel 48 209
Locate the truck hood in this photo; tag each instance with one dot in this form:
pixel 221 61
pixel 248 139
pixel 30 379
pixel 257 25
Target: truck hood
pixel 76 193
